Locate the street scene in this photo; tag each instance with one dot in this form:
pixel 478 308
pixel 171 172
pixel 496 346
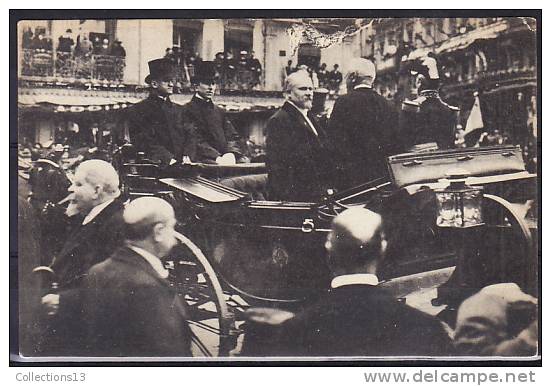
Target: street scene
pixel 278 188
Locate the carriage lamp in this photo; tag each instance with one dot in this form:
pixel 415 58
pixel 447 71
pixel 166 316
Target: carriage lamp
pixel 459 205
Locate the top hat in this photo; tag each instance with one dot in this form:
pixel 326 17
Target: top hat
pixel 160 69
pixel 204 72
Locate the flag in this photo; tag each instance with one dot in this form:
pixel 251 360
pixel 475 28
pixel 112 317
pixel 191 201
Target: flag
pixel 475 117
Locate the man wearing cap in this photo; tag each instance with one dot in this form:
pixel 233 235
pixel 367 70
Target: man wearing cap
pixel 155 124
pixel 362 128
pixel 355 317
pixel 298 162
pixel 214 136
pixel 427 122
pixel 130 308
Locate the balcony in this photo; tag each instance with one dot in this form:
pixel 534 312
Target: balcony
pixel 65 67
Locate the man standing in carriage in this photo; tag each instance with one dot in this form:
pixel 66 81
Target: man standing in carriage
pixel 427 122
pixel 155 124
pixel 362 128
pixel 298 160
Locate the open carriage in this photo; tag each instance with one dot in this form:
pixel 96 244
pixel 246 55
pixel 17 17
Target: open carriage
pixel 240 249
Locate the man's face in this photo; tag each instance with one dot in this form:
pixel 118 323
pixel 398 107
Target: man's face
pixel 84 194
pixel 163 87
pixel 206 89
pixel 166 239
pixel 302 92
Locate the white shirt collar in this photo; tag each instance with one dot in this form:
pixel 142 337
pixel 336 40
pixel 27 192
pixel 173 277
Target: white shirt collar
pixel 357 278
pixel 203 99
pixel 363 86
pixel 95 211
pixel 153 260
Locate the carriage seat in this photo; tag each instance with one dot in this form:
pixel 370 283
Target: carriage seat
pixel 253 184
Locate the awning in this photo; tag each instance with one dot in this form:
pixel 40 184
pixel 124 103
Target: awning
pixel 491 31
pixel 71 102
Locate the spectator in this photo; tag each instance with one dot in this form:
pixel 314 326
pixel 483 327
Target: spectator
pixel 66 42
pixel 289 69
pixel 129 306
pixel 41 43
pixel 500 320
pixel 256 69
pixel 335 78
pixel 103 49
pixel 96 45
pixel 355 317
pixel 323 75
pixel 230 71
pixel 117 49
pixel 27 39
pixel 84 46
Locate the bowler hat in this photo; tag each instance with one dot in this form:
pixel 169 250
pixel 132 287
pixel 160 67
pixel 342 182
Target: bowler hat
pixel 160 69
pixel 204 72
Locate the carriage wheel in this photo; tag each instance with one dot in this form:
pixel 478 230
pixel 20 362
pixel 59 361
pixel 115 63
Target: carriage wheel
pixel 515 260
pixel 211 321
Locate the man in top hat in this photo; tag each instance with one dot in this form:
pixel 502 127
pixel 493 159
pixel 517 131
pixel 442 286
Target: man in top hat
pixel 214 135
pixel 362 128
pixel 427 122
pixel 155 124
pixel 355 316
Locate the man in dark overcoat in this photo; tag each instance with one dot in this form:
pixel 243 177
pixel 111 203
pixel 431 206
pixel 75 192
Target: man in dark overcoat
pixel 427 121
pixel 298 162
pixel 97 232
pixel 215 137
pixel 356 317
pixel 129 307
pixel 155 124
pixel 362 128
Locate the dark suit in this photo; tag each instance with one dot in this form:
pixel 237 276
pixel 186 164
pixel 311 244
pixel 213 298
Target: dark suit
pixel 214 135
pixel 129 310
pixel 298 162
pixel 156 128
pixel 87 245
pixel 353 320
pixel 362 129
pixel 428 119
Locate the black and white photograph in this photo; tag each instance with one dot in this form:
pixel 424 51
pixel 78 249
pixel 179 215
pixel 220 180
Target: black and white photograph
pixel 280 186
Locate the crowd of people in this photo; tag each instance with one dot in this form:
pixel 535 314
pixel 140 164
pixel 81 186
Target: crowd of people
pixel 242 73
pixel 112 296
pixel 320 75
pixel 75 57
pixel 66 43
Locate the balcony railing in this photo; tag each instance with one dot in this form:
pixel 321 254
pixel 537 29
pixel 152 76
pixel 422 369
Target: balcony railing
pixel 66 66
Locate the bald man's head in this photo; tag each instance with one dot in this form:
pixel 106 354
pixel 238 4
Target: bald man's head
pixel 143 213
pixel 150 225
pixel 356 239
